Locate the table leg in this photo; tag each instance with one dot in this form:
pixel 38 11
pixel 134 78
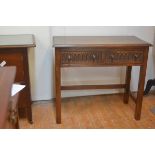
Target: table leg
pixel 141 83
pixel 27 89
pixel 127 82
pixel 29 103
pixel 17 123
pixel 140 93
pixel 58 86
pixel 29 113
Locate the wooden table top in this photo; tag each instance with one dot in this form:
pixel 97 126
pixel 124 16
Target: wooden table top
pixel 97 41
pixel 21 40
pixel 7 76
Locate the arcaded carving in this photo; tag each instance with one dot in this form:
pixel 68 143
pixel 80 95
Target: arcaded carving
pixel 100 56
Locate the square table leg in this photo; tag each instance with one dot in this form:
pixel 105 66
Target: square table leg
pixel 140 93
pixel 58 85
pixel 127 82
pixel 141 83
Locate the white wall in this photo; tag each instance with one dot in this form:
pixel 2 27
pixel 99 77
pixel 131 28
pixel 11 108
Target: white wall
pixel 40 59
pixel 104 75
pixel 42 64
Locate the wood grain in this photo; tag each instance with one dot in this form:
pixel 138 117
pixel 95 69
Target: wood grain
pixel 87 56
pixel 85 87
pixel 127 82
pixel 58 85
pixel 98 41
pixel 141 83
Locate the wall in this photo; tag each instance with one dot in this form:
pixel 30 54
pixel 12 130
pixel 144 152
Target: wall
pixel 42 59
pixel 104 75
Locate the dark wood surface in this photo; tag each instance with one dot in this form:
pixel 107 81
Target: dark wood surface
pixel 99 56
pixel 58 84
pixel 101 52
pixel 7 76
pixel 98 41
pixel 14 50
pixel 141 83
pixel 85 87
pixel 127 81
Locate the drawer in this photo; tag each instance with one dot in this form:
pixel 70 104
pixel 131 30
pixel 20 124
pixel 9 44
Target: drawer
pixel 14 59
pixel 81 57
pixel 124 57
pixel 88 56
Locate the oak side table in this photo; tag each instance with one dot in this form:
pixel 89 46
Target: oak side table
pixel 14 51
pixel 101 51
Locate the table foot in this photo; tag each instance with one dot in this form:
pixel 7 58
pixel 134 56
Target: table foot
pixel 58 121
pixel 30 121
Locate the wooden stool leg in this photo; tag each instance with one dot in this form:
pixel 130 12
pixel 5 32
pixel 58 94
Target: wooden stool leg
pixel 127 82
pixel 58 86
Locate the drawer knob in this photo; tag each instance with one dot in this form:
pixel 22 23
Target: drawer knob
pixel 136 56
pixel 94 56
pixel 112 56
pixel 69 57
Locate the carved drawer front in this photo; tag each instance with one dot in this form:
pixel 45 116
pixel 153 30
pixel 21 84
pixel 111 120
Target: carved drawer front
pixel 81 57
pixel 124 57
pixel 88 56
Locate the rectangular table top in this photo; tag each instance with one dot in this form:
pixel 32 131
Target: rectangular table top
pixel 97 41
pixel 20 40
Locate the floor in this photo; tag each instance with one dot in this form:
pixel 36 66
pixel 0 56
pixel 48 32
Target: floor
pixel 103 111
